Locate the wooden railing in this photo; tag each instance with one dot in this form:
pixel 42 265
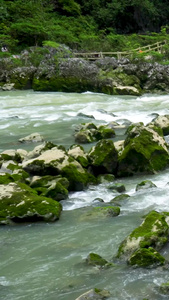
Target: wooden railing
pixel 99 55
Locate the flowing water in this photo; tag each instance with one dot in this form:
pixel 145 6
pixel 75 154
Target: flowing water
pixel 47 261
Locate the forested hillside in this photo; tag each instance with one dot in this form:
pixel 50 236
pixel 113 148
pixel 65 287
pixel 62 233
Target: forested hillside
pixel 82 24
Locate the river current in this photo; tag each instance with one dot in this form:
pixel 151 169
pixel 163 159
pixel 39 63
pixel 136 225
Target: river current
pixel 47 261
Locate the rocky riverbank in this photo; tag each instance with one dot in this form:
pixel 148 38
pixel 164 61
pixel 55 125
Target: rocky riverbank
pixel 50 69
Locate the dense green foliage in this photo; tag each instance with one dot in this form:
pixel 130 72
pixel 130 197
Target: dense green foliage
pixel 82 24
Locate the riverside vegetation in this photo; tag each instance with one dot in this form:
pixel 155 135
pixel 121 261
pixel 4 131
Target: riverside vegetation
pixel 38 58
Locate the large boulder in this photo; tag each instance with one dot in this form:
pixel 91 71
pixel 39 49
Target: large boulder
pixel 56 161
pixel 19 203
pixel 145 151
pixel 103 157
pixel 151 235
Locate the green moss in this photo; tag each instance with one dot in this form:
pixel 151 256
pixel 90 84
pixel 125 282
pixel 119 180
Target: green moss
pixel 153 232
pixel 50 145
pixel 78 180
pixel 96 260
pixel 58 192
pixel 154 229
pixel 142 154
pixel 105 178
pixel 120 198
pixel 106 133
pixel 159 130
pixel 144 257
pixel 38 167
pixel 103 157
pixel 117 187
pixel 54 187
pixel 25 205
pixel 6 178
pixel 145 184
pixel 164 288
pixel 62 84
pixel 15 158
pixel 83 161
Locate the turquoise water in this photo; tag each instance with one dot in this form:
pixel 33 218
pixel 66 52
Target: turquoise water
pixel 47 261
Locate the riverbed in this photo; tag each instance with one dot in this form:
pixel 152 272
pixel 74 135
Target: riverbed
pixel 46 261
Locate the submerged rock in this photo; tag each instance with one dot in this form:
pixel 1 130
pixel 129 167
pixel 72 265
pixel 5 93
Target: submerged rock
pixel 94 294
pixel 145 184
pixel 34 138
pixel 120 198
pixel 99 212
pixel 96 260
pixel 117 187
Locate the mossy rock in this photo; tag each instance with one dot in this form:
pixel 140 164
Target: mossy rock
pixel 145 151
pixel 120 188
pixel 103 157
pixel 62 84
pixel 96 260
pixel 78 179
pixel 153 232
pixel 90 133
pixel 164 288
pixel 11 155
pixel 109 211
pixel 106 132
pixel 78 153
pixel 49 162
pixel 145 184
pixel 105 178
pixel 19 204
pixel 48 180
pixel 57 192
pixel 55 187
pixel 120 198
pixel 22 77
pixel 87 136
pixel 145 257
pixel 19 176
pixel 99 212
pixel 111 81
pixel 162 122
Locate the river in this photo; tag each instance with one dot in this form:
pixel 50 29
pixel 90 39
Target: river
pixel 47 261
